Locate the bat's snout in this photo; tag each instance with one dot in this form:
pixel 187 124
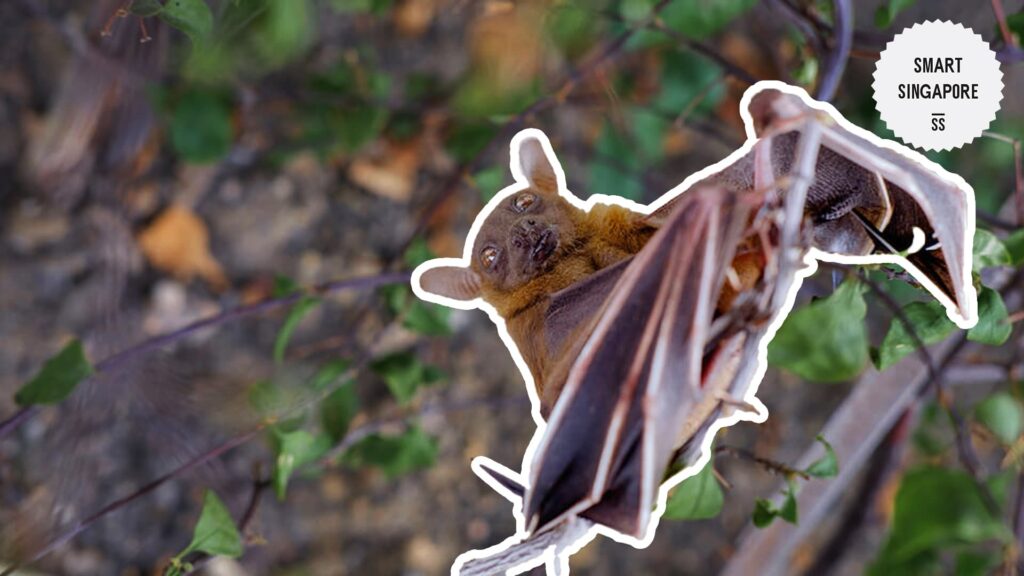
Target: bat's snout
pixel 544 246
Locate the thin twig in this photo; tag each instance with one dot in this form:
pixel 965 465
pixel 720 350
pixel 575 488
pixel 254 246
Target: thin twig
pixel 350 438
pixel 149 487
pixel 359 433
pixel 1004 28
pixel 259 486
pixel 159 341
pixel 965 450
pixel 728 66
pixel 770 465
pixel 16 419
pixel 835 64
pixel 572 81
pixel 361 283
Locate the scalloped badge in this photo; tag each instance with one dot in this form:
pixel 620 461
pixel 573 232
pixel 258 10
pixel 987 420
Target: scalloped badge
pixel 938 85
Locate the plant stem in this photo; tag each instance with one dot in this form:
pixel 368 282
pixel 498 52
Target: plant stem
pixel 120 358
pixel 82 525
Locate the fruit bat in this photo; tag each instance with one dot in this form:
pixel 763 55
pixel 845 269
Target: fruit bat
pixel 644 329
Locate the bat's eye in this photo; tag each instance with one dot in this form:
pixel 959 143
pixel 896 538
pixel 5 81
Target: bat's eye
pixel 524 201
pixel 488 256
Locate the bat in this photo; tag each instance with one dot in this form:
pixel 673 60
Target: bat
pixel 646 332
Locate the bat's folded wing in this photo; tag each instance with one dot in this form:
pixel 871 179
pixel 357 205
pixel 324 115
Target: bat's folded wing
pixel 635 374
pixel 916 195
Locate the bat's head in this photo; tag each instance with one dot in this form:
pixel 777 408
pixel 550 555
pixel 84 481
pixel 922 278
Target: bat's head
pixel 523 237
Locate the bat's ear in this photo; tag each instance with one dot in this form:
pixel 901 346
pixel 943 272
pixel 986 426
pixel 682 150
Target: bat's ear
pixel 455 282
pixel 536 166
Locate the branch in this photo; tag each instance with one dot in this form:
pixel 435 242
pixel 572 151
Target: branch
pixel 88 521
pixel 159 341
pixel 770 465
pixel 259 485
pixel 965 450
pixel 610 50
pixel 730 68
pixel 1004 28
pixel 351 438
pixel 354 435
pixel 835 65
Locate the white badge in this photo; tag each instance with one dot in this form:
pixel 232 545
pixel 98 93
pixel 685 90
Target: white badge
pixel 938 85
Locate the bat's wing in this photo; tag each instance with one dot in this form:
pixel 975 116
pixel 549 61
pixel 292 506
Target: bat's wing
pixel 869 199
pixel 864 199
pixel 575 307
pixel 637 373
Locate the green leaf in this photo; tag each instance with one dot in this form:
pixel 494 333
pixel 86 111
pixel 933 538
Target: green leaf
pixel 294 450
pixel 935 510
pixel 394 455
pixel 930 323
pixel 993 326
pixel 765 511
pixel 417 253
pixel 357 127
pixel 701 19
pixel 888 10
pixel 58 377
pixel 284 31
pixel 421 317
pixel 1016 24
pixel 427 318
pixel 146 8
pixel 685 78
pixel 649 130
pixel 931 434
pixel 193 17
pixel 479 95
pixel 291 322
pixel 266 397
pixel 615 170
pixel 824 341
pixel 376 7
pixel 338 410
pixel 828 465
pixel 696 498
pixel 489 181
pixel 989 251
pixel 404 375
pixel 788 511
pixel 284 286
pixel 468 139
pixel 572 28
pixel 328 374
pixel 215 532
pixel 1001 414
pixel 970 563
pixel 200 128
pixel 1014 245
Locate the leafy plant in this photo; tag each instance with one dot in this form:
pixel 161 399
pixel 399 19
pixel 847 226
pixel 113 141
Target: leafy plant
pixel 825 340
pixel 215 534
pixel 58 377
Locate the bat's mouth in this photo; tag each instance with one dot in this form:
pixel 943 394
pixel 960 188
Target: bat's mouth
pixel 545 246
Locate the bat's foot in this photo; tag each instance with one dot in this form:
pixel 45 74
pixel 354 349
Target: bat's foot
pixel 736 403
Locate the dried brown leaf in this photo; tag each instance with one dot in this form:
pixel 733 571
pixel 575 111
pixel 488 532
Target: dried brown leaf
pixel 178 242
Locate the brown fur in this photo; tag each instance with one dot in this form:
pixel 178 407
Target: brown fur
pixel 604 236
pixel 529 265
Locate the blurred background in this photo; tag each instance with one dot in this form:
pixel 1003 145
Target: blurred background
pixel 167 162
